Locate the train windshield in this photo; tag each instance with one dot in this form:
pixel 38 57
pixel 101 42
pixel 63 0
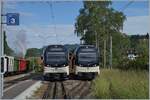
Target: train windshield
pixel 87 56
pixel 55 56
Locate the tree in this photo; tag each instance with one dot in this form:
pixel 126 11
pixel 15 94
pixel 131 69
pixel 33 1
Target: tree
pixel 98 17
pixel 7 49
pixel 121 43
pixel 33 52
pixel 98 21
pixel 139 45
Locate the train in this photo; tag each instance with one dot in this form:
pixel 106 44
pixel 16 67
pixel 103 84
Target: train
pixel 87 61
pixel 55 60
pixel 11 65
pixel 60 63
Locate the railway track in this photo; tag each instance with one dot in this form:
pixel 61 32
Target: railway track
pixel 81 90
pixel 55 90
pixel 69 89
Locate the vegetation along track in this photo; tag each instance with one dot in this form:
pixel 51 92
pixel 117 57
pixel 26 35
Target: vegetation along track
pixel 69 89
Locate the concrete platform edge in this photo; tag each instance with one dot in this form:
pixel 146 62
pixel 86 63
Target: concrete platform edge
pixel 29 92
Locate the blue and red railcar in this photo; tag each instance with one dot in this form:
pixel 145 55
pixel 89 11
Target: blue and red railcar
pixel 13 65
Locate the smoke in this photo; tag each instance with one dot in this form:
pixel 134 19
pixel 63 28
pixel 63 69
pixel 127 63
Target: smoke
pixel 20 43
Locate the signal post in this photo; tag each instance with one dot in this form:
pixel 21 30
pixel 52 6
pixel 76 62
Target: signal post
pixel 1 50
pixel 12 19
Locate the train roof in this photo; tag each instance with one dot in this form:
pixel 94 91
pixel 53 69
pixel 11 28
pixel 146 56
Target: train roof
pixel 87 46
pixel 82 46
pixel 58 45
pixel 55 46
pixel 8 56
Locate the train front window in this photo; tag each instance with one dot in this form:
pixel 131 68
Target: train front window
pixel 87 50
pixel 87 56
pixel 55 57
pixel 55 49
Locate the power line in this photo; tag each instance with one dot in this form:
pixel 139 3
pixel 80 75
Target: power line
pixel 53 18
pixel 127 5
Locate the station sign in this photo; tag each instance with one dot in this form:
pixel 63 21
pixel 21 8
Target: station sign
pixel 12 19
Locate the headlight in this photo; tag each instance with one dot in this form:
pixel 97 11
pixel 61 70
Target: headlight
pixel 47 65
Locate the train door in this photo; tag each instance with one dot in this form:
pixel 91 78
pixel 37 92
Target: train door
pixel 3 65
pixel 7 63
pixel 11 64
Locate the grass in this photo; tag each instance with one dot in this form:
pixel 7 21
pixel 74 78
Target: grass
pixel 116 84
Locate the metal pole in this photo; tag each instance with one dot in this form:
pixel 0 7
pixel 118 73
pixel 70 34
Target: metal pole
pixel 104 54
pixel 96 39
pixel 1 49
pixel 110 52
pixel 149 45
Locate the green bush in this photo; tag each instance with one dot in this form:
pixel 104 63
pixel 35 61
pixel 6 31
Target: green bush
pixel 38 68
pixel 34 65
pixel 140 63
pixel 116 84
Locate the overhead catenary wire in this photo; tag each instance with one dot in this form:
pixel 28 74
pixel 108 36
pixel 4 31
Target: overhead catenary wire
pixel 53 18
pixel 126 6
pixel 110 56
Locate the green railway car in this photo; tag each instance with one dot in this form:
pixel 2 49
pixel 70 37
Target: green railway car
pixel 16 65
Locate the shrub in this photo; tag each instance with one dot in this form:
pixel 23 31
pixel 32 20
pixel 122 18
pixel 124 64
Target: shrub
pixel 139 64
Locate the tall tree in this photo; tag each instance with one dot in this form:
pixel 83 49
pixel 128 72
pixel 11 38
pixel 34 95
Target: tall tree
pixel 98 17
pixel 97 21
pixel 33 52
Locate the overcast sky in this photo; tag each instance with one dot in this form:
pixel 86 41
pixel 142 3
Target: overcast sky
pixel 43 23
